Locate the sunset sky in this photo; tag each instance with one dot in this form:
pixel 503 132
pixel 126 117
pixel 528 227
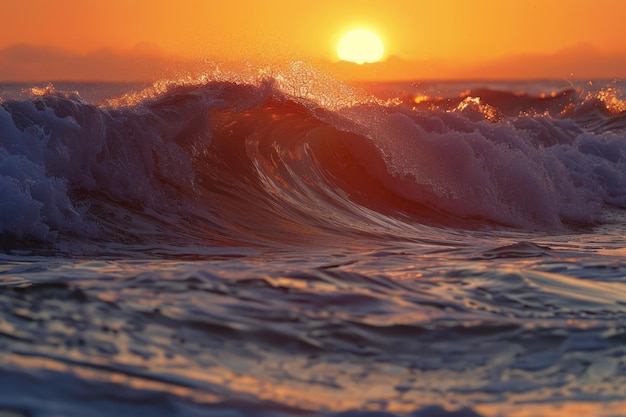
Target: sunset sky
pixel 131 39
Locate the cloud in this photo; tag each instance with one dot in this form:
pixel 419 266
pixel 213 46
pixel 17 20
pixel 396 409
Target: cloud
pixel 393 68
pixel 576 62
pixel 145 62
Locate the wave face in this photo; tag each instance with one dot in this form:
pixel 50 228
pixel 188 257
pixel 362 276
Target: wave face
pixel 251 163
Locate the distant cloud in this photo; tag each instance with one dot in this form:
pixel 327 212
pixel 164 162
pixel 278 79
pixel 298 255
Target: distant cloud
pixel 576 62
pixel 145 62
pixel 393 68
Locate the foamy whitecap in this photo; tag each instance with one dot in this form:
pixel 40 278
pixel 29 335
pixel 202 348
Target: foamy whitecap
pixel 174 152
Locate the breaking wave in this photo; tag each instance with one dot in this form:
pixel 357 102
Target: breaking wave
pixel 250 163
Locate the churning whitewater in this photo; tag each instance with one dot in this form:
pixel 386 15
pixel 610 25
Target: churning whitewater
pixel 197 152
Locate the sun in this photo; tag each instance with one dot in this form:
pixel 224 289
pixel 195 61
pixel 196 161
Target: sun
pixel 360 46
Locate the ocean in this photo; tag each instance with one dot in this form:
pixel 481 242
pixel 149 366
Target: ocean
pixel 285 244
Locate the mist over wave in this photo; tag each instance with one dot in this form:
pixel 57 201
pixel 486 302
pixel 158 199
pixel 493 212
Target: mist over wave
pixel 258 162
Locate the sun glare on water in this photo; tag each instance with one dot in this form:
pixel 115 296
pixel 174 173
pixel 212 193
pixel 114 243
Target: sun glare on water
pixel 360 46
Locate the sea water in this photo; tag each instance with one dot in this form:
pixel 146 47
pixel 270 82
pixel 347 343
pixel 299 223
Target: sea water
pixel 288 245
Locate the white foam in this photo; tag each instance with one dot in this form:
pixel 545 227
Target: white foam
pixel 531 171
pixel 32 203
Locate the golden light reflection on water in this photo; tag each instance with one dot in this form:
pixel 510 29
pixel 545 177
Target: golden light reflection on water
pixel 613 252
pixel 374 393
pixel 475 103
pixel 611 98
pixel 565 409
pixel 202 370
pixel 90 373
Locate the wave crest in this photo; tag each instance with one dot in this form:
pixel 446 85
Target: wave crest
pixel 242 162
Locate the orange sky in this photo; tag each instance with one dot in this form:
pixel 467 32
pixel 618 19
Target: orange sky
pixel 423 39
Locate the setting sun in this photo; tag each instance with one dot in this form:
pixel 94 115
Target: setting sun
pixel 360 46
